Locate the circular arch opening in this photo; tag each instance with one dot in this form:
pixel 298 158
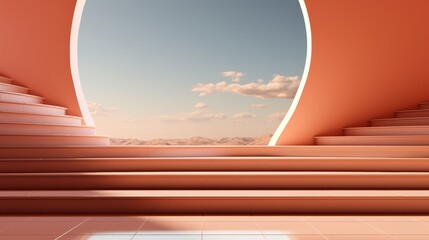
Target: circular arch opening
pixel 245 78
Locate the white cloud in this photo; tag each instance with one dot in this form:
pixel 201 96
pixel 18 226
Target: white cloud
pixel 279 87
pixel 277 116
pixel 195 116
pixel 200 105
pixel 97 109
pixel 259 105
pixel 241 116
pixel 235 76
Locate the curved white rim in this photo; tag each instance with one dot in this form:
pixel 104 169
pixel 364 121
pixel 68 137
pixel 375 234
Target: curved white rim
pixel 74 37
pixel 286 119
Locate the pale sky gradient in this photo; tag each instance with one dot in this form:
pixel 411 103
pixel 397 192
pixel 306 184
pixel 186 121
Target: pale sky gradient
pixel 182 68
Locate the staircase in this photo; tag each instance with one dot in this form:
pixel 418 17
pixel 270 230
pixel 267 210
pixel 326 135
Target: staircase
pixel 215 180
pixel 50 163
pixel 26 121
pixel 407 128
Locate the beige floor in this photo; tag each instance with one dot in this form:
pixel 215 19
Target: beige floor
pixel 213 227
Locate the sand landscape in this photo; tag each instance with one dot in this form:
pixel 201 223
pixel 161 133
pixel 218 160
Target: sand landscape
pixel 261 140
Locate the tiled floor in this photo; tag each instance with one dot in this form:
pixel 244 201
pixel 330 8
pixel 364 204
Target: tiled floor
pixel 213 227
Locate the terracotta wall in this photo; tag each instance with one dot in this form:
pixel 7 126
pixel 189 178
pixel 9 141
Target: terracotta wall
pixel 369 58
pixel 35 48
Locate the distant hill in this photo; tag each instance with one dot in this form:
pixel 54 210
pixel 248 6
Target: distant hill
pixel 262 140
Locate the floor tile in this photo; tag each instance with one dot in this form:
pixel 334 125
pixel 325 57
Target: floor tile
pixel 167 228
pixel 228 218
pixel 117 218
pixel 96 237
pixel 174 218
pixel 233 237
pixel 410 237
pixel 283 228
pixel 36 228
pixel 72 237
pixel 402 227
pixel 386 218
pixel 28 237
pixel 426 223
pixel 278 218
pixel 421 218
pixel 345 228
pixel 167 237
pixel 358 237
pixel 293 227
pixel 230 228
pixel 294 237
pixel 330 218
pixel 107 228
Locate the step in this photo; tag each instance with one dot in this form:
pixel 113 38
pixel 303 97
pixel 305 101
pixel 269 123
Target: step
pixel 32 108
pixel 6 117
pixel 387 130
pixel 215 202
pixel 20 97
pixel 400 121
pixel 368 164
pixel 37 141
pixel 215 181
pixel 424 105
pixel 5 80
pixel 374 140
pixel 212 151
pixel 412 113
pixel 6 87
pixel 44 129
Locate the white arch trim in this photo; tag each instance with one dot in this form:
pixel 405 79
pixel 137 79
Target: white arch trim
pixel 286 119
pixel 74 37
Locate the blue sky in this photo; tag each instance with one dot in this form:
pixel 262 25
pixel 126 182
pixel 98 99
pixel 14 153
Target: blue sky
pixel 145 64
